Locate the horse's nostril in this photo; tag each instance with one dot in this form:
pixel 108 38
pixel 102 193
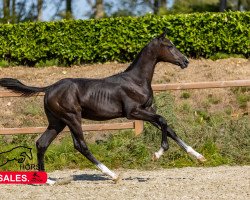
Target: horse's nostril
pixel 186 62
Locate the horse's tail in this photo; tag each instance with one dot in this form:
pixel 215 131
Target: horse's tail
pixel 18 87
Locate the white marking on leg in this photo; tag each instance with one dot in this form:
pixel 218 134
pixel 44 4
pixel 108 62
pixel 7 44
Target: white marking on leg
pixel 107 171
pixel 159 153
pixel 191 151
pixel 50 182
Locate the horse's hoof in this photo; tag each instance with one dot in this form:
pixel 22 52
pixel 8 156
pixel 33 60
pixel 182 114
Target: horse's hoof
pixel 155 157
pixel 202 159
pixel 117 179
pixel 50 182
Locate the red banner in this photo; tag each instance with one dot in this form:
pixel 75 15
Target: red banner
pixel 23 177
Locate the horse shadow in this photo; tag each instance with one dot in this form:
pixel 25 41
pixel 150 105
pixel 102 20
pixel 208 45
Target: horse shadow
pixel 95 178
pixel 90 177
pixel 100 177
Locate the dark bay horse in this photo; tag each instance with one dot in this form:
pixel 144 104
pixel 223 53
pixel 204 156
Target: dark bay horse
pixel 127 94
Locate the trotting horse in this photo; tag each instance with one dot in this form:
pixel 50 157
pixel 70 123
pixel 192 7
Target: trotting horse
pixel 127 94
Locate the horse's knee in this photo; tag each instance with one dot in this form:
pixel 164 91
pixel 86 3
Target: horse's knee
pixel 163 121
pixel 163 124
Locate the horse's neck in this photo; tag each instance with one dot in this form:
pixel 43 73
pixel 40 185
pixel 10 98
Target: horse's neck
pixel 142 68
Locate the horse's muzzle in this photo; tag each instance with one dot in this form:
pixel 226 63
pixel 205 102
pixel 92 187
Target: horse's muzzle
pixel 184 63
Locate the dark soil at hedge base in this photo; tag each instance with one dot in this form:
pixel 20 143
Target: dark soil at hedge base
pixel 186 183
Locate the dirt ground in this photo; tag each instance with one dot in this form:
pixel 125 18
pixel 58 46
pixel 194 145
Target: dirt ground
pixel 216 183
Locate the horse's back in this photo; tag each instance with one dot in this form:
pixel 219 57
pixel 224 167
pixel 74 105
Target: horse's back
pixel 96 99
pixel 100 99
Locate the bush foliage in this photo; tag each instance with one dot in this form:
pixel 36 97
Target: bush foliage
pixel 120 39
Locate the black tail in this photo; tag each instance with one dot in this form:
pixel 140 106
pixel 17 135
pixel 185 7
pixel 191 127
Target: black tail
pixel 16 86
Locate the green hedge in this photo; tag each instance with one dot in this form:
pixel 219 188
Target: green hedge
pixel 120 39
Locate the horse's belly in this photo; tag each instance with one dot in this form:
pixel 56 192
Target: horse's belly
pixel 101 113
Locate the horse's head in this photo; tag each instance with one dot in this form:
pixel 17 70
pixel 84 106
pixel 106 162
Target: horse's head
pixel 167 52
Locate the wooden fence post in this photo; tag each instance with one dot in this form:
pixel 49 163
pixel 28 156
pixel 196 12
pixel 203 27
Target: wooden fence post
pixel 139 125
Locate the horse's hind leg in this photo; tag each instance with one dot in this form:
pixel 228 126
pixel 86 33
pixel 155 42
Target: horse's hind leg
pixel 81 146
pixel 79 143
pixel 54 128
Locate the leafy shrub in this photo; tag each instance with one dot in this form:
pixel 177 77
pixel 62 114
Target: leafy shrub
pixel 120 39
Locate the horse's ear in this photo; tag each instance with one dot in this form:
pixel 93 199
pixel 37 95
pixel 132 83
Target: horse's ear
pixel 163 35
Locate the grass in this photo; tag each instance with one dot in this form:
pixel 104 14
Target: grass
pixel 221 138
pixel 32 108
pixel 242 96
pixel 185 95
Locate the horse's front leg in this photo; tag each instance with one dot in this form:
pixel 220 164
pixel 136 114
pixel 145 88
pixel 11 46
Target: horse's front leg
pixel 160 122
pixel 182 144
pixel 171 133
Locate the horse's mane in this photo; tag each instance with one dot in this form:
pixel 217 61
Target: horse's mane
pixel 131 66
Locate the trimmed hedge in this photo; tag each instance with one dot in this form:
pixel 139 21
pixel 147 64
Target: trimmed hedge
pixel 120 39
